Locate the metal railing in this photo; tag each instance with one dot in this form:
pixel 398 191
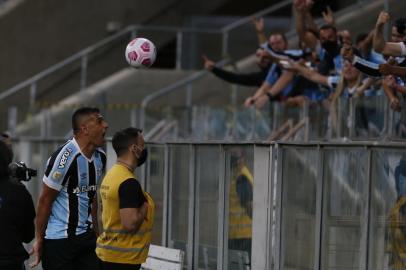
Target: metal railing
pixel 83 57
pixel 303 194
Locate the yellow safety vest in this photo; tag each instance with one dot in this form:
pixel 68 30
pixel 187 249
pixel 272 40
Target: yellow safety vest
pixel 398 238
pixel 115 244
pixel 240 223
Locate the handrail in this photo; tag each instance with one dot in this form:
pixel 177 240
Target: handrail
pixel 171 88
pixel 258 14
pixel 83 53
pixel 185 81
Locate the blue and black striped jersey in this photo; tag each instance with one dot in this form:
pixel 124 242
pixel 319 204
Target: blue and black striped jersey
pixel 76 178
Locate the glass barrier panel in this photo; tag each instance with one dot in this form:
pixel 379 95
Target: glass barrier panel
pixel 370 117
pixel 155 186
pixel 345 193
pixel 399 122
pixel 207 205
pixel 299 193
pixel 179 175
pixel 387 222
pixel 239 191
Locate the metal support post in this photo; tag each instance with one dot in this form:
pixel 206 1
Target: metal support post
pixel 179 39
pixel 83 72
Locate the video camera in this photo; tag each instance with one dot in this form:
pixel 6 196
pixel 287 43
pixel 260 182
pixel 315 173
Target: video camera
pixel 21 172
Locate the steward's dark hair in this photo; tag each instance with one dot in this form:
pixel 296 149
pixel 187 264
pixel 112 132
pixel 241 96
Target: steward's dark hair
pixel 124 138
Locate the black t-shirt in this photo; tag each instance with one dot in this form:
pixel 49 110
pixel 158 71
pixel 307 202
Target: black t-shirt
pixel 130 194
pixel 17 215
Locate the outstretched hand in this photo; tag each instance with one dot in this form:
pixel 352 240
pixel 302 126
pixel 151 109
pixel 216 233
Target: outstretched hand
pixel 208 64
pixel 258 24
pixel 383 18
pixel 328 16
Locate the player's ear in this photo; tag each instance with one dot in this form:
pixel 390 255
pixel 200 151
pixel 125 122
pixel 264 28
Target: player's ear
pixel 84 129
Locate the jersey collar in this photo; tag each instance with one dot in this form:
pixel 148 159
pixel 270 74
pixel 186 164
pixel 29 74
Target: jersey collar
pixel 80 151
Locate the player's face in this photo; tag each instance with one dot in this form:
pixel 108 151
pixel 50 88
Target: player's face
pixel 96 128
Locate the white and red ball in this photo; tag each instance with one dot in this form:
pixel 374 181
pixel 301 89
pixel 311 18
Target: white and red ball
pixel 140 53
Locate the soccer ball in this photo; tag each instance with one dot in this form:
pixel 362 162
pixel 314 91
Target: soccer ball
pixel 140 53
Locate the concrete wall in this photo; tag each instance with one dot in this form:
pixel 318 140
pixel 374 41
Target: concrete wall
pixel 37 34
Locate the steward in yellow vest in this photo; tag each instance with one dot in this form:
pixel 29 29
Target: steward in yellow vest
pixel 240 205
pixel 127 210
pixel 397 227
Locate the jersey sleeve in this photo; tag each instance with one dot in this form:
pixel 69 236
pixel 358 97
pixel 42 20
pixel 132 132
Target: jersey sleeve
pixel 332 81
pixel 403 48
pixel 130 194
pixel 368 68
pixel 57 168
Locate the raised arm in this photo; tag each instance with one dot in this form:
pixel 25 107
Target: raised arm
pixel 303 17
pixel 47 198
pixel 310 74
pixel 259 28
pixel 380 45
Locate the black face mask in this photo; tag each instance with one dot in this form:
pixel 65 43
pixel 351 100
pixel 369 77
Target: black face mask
pixel 331 47
pixel 143 157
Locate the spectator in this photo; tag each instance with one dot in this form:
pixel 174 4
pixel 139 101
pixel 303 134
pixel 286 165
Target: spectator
pixel 247 79
pixel 278 82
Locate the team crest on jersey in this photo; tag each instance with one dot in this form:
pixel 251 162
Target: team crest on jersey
pixel 64 158
pixel 57 175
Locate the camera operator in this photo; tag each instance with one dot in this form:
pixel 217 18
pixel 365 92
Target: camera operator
pixel 17 215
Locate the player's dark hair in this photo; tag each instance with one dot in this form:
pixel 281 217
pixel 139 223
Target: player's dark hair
pixel 6 156
pixel 124 138
pixel 79 114
pixel 400 25
pixel 328 27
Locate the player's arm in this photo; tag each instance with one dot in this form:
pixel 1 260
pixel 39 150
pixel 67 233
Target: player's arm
pixel 133 205
pixel 46 199
pixel 95 220
pixel 53 181
pixel 387 69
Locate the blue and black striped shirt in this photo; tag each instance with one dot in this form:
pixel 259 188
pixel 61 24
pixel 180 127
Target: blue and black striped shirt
pixel 76 178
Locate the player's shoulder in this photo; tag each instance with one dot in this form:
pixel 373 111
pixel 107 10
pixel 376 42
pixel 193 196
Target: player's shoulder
pixel 64 153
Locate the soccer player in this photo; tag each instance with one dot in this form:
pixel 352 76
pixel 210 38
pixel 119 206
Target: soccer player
pixel 67 207
pixel 128 211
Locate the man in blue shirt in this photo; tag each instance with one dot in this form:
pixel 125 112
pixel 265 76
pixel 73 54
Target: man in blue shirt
pixel 67 207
